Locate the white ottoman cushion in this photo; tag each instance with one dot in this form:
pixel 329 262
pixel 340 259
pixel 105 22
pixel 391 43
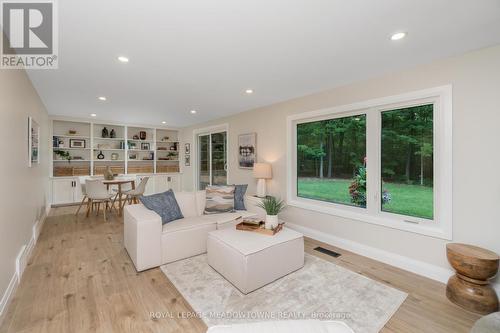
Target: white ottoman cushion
pixel 249 260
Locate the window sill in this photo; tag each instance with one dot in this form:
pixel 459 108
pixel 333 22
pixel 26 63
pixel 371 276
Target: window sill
pixel 359 214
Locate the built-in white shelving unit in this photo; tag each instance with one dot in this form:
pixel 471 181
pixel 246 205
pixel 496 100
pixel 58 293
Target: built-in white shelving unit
pixel 167 150
pixel 88 148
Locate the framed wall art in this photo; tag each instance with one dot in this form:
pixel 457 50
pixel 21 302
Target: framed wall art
pixel 247 150
pixel 33 142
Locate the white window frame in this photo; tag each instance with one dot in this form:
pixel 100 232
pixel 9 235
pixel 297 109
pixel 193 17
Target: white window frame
pixel 195 156
pixel 441 225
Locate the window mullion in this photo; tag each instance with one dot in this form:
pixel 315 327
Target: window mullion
pixel 373 133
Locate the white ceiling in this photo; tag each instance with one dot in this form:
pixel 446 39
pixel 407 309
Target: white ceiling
pixel 200 54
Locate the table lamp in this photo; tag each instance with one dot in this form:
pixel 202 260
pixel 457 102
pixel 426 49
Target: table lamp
pixel 262 171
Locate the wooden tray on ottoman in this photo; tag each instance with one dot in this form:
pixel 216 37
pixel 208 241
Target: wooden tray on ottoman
pixel 259 228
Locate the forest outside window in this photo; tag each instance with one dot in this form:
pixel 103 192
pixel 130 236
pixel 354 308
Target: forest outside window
pixel 407 161
pixel 331 160
pixel 386 161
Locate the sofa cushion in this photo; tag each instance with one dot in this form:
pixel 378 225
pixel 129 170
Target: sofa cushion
pixel 200 201
pixel 220 199
pixel 187 203
pixel 228 217
pixel 186 223
pixel 239 196
pixel 164 204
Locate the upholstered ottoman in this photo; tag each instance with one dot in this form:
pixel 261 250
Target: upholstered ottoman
pixel 250 260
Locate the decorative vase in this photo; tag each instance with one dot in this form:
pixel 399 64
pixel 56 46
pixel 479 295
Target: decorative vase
pixel 108 175
pixel 104 133
pixel 142 135
pixel 112 134
pixel 114 156
pixel 100 156
pixel 271 221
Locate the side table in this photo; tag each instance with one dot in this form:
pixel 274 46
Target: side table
pixel 469 287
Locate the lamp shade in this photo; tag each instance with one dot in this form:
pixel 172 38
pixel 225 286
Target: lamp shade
pixel 262 171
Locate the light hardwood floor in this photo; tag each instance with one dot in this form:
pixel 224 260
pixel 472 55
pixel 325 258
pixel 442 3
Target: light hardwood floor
pixel 80 279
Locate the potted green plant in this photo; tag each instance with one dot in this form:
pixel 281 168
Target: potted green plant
pixel 273 207
pixel 65 155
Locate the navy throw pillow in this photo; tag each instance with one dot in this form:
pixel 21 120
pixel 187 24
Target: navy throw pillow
pixel 239 196
pixel 164 204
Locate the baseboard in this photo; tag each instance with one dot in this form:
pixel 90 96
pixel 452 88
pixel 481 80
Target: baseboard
pixel 21 261
pixel 430 271
pixel 11 288
pixel 37 227
pixel 415 266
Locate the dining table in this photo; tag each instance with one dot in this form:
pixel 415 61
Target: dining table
pixel 119 182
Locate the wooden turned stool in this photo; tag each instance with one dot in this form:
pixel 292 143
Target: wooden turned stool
pixel 470 288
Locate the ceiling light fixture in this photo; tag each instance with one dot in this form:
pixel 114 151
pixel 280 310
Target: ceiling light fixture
pixel 102 98
pixel 249 91
pixel 398 36
pixel 163 122
pixel 93 115
pixel 193 111
pixel 123 59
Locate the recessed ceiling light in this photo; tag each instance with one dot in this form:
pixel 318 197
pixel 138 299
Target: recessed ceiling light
pixel 102 98
pixel 398 36
pixel 249 91
pixel 123 59
pixel 163 122
pixel 93 115
pixel 193 111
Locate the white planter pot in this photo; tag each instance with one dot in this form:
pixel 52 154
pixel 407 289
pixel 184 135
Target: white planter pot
pixel 271 221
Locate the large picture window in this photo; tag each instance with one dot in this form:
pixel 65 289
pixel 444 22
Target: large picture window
pixel 407 168
pixel 330 160
pixel 385 161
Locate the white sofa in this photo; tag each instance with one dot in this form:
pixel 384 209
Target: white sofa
pixel 151 244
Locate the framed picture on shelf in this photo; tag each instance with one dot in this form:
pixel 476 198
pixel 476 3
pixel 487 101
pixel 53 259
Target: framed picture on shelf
pixel 247 150
pixel 187 149
pixel 33 142
pixel 187 160
pixel 145 146
pixel 76 143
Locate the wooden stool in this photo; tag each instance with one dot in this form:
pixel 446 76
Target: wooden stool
pixel 469 287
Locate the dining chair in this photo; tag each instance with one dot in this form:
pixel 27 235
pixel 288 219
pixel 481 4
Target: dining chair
pixel 81 183
pixel 133 195
pixel 124 188
pixel 97 193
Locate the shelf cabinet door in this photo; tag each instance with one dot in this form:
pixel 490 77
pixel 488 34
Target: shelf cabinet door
pixel 63 191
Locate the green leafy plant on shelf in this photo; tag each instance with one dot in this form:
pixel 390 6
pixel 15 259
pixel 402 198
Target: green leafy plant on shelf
pixel 63 154
pixel 272 205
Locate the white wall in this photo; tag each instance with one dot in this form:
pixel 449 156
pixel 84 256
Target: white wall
pixel 476 135
pixel 23 190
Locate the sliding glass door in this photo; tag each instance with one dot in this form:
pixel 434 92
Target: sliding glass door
pixel 212 157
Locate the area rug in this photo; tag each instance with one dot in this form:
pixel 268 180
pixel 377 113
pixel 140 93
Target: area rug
pixel 320 290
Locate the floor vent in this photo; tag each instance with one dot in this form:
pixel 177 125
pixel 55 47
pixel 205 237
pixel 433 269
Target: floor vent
pixel 326 251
